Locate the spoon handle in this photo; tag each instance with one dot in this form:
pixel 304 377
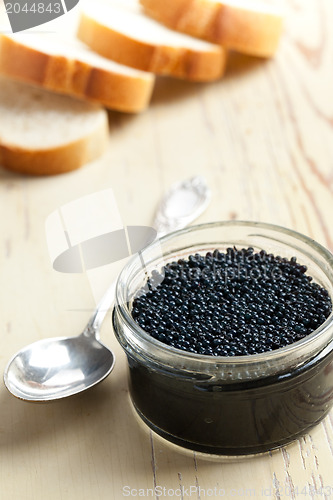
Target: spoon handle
pixel 94 325
pixel 181 205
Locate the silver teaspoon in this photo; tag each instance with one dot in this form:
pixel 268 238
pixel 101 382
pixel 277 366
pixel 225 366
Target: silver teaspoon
pixel 59 367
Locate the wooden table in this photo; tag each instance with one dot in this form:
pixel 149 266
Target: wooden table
pixel 263 137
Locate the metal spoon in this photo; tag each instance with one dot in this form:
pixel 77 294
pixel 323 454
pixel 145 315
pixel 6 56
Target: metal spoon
pixel 59 367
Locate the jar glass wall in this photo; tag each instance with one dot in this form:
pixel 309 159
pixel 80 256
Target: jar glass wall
pixel 227 405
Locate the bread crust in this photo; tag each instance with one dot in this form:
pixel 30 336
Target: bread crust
pixel 189 64
pixel 56 160
pixel 251 32
pixel 73 77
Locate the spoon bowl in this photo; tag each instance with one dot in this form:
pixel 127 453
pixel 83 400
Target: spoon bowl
pixel 59 367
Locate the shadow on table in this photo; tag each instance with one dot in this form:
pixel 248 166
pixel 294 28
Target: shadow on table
pixel 241 64
pixel 172 90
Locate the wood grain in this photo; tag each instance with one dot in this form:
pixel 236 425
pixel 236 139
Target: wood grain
pixel 263 137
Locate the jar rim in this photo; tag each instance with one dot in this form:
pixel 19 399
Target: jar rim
pixel 143 341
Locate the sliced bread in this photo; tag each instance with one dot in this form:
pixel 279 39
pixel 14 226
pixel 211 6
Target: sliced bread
pixel 69 67
pixel 120 31
pixel 42 133
pixel 249 26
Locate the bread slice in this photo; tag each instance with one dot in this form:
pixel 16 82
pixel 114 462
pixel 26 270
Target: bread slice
pixel 42 133
pixel 120 31
pixel 69 67
pixel 249 26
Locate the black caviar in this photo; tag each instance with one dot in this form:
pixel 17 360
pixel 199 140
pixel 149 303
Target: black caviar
pixel 231 303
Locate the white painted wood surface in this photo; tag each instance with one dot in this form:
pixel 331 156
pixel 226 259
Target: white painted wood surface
pixel 263 137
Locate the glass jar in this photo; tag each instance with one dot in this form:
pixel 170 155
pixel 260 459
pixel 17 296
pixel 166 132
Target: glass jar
pixel 227 405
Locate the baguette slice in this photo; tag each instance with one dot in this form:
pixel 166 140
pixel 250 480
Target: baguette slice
pixel 249 26
pixel 69 67
pixel 120 31
pixel 42 133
